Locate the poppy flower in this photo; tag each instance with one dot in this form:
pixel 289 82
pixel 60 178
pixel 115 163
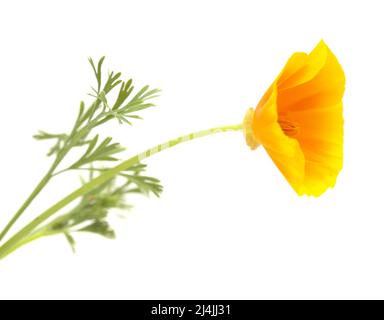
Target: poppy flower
pixel 299 121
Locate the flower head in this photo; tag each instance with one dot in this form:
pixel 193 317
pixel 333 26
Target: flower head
pixel 299 121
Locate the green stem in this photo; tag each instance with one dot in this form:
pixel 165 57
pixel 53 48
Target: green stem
pixel 50 174
pixel 34 236
pixel 21 236
pixel 31 197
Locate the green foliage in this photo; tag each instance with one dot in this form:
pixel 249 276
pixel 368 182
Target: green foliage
pixel 101 152
pixel 92 212
pixel 124 109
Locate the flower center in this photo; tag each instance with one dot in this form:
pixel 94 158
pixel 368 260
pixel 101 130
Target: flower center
pixel 289 127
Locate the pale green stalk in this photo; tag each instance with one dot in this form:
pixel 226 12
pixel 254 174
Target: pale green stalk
pixel 22 236
pixel 27 202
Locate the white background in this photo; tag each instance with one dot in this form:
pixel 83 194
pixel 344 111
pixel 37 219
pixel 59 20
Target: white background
pixel 228 225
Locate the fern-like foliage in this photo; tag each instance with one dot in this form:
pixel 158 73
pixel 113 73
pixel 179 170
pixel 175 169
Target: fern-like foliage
pixel 92 211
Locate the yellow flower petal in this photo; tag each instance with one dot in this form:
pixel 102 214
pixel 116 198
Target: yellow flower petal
pixel 299 120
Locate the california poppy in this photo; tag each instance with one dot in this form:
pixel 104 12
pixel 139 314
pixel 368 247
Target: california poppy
pixel 299 121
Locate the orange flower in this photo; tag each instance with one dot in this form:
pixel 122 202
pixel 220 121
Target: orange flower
pixel 299 121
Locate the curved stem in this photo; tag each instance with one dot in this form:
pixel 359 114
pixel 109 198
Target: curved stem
pixel 34 236
pixel 14 242
pixel 50 174
pixel 31 197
